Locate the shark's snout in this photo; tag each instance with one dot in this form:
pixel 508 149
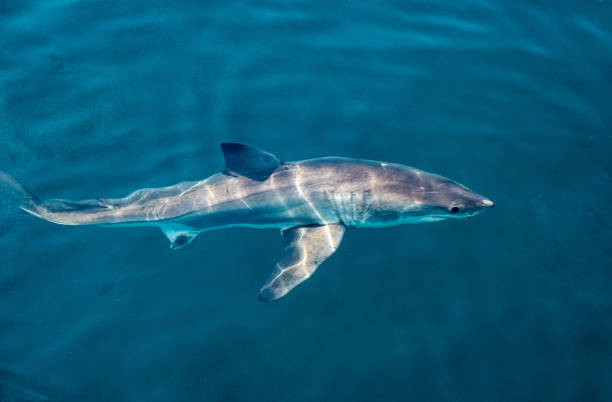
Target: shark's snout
pixel 481 205
pixel 486 203
pixel 466 204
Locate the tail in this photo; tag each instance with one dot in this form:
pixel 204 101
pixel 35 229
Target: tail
pixel 26 200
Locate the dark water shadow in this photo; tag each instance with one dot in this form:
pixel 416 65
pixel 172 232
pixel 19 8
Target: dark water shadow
pixel 18 388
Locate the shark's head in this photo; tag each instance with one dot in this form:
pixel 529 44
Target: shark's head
pixel 449 199
pixel 419 196
pixel 441 198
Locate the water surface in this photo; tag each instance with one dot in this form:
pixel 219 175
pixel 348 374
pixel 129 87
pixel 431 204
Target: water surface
pixel 98 98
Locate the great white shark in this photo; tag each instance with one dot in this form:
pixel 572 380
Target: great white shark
pixel 311 201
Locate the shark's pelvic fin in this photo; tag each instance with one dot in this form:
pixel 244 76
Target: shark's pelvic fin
pixel 178 235
pixel 307 247
pixel 247 161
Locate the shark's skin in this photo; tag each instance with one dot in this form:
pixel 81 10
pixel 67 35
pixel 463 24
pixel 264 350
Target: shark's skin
pixel 311 201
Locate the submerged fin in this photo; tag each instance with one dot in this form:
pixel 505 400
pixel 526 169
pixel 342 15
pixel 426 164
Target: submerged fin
pixel 58 205
pixel 307 247
pixel 178 235
pixel 25 199
pixel 248 161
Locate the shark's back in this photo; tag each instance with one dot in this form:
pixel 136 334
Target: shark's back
pixel 313 201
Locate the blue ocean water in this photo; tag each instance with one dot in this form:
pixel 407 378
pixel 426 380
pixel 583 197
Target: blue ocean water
pixel 512 98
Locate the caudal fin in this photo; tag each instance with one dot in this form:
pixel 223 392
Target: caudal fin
pixel 18 193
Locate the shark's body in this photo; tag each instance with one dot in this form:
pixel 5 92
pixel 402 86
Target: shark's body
pixel 311 201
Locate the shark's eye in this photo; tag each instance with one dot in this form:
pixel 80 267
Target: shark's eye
pixel 454 210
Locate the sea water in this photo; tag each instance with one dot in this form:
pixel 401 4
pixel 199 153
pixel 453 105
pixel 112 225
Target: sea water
pixel 511 98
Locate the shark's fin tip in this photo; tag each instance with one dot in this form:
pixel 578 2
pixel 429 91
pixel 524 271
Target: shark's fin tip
pixel 178 236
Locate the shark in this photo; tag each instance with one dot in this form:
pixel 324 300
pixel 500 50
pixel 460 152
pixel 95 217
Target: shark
pixel 313 202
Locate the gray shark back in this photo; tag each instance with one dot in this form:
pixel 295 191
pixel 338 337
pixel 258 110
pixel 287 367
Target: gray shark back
pixel 312 201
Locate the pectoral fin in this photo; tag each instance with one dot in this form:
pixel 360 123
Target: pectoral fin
pixel 307 247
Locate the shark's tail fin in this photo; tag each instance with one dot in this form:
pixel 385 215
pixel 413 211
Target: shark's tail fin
pixel 24 198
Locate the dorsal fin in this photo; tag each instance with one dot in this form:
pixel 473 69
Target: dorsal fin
pixel 248 161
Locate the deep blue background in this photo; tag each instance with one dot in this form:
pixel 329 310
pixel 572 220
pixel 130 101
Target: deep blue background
pixel 512 98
